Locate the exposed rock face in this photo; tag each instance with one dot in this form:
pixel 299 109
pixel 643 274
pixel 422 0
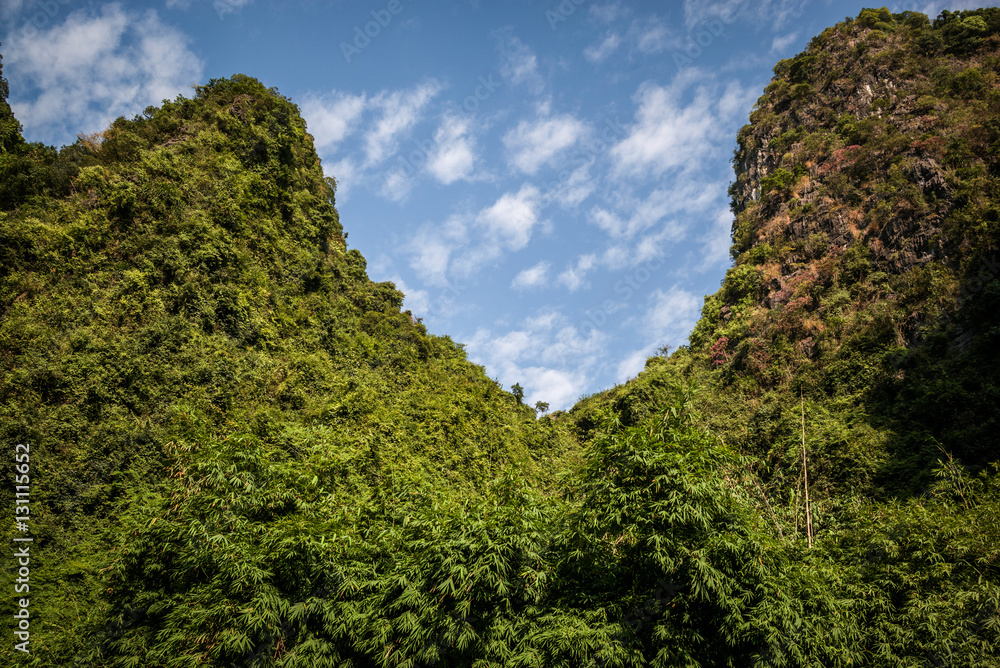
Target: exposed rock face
pixel 867 201
pixel 859 143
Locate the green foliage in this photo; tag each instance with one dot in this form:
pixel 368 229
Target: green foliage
pixel 784 142
pixel 778 184
pixel 800 69
pixel 757 255
pixel 876 19
pixel 10 128
pixel 742 284
pixel 968 83
pixel 247 455
pixel 661 522
pixel 801 91
pixel 196 263
pixel 965 31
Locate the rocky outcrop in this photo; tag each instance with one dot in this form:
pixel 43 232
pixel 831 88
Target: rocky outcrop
pixel 847 147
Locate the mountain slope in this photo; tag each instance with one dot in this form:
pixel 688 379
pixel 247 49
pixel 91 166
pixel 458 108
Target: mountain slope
pixel 180 286
pixel 866 255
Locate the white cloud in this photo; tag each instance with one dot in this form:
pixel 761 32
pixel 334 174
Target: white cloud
pixel 453 157
pixel 780 43
pixel 332 118
pixel 633 363
pixel 717 240
pixel 397 185
pixel 391 117
pixel 736 102
pixel 10 8
pixel 400 111
pixel 559 388
pixel 93 68
pixel 615 257
pixel 575 189
pixel 698 12
pixel 535 143
pixel 780 12
pixel 557 343
pixel 606 13
pixel 653 36
pixel 654 245
pixel 519 65
pixel 414 300
pixel 430 257
pixel 345 172
pixel 546 354
pixel 609 222
pixel 771 14
pixel 465 243
pixel 933 9
pixel 532 277
pixel 574 277
pixel 222 7
pixel 670 316
pixel 600 53
pixel 668 319
pixel 512 218
pixel 432 247
pixel 633 215
pixel 667 135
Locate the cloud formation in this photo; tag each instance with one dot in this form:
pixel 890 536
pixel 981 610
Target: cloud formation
pixel 453 156
pixel 94 67
pixel 398 112
pixel 534 143
pixel 331 118
pixel 532 277
pixel 667 134
pixel 549 356
pixel 518 63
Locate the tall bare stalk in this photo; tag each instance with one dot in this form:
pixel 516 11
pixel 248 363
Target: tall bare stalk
pixel 805 471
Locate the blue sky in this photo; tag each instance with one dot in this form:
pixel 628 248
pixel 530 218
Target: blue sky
pixel 544 180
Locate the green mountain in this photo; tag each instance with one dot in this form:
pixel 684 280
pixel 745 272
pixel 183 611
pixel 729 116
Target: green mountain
pixel 240 452
pixel 866 250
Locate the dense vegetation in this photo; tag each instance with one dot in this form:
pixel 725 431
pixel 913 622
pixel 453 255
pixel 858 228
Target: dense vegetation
pixel 244 454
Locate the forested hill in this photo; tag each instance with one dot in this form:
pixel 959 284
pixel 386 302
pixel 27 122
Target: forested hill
pixel 866 252
pixel 242 453
pixel 193 354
